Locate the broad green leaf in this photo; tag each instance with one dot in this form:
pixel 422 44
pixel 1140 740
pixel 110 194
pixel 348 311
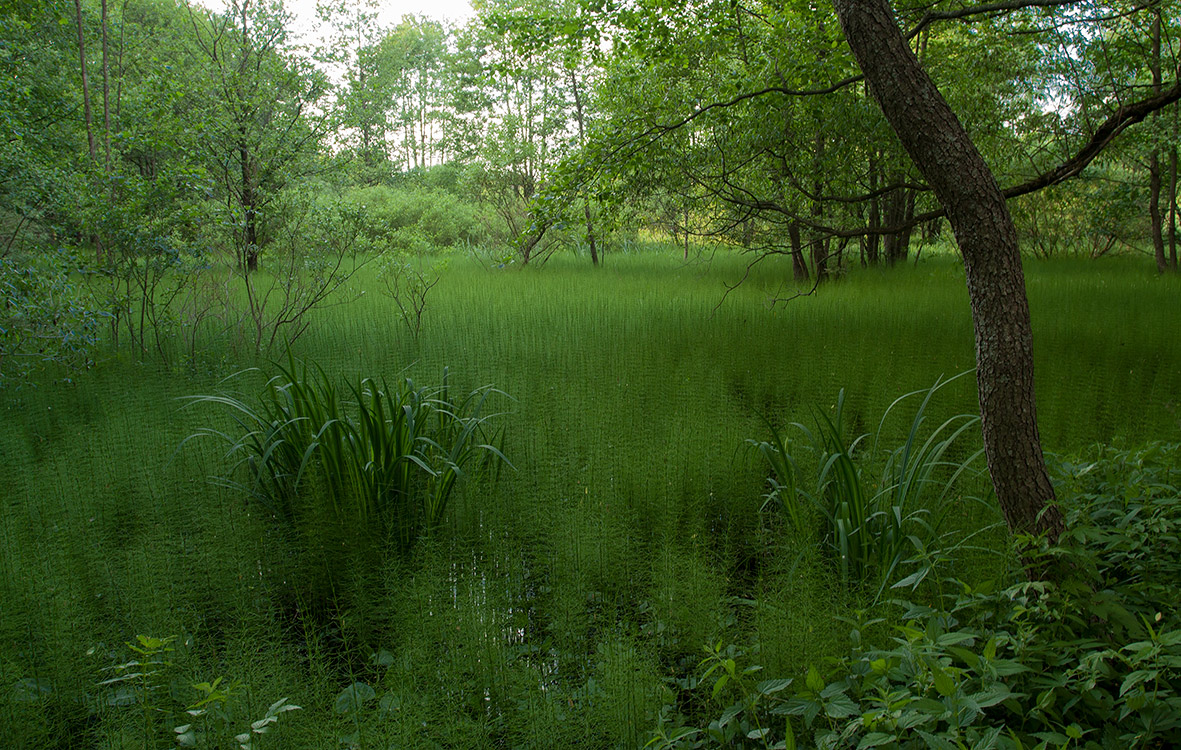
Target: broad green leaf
pixel 354 697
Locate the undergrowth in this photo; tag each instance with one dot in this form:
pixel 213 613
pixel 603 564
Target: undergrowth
pixel 565 605
pixel 1090 661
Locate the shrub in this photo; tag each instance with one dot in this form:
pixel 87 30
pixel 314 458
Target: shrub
pixel 1093 661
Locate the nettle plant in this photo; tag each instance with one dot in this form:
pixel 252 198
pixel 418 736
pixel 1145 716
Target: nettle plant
pixel 1090 661
pixel 210 717
pixel 146 684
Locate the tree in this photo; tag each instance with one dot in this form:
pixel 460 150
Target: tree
pixel 266 115
pixel 531 122
pixel 803 88
pixel 352 37
pixel 965 186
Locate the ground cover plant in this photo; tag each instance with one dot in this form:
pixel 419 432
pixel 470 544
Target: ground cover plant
pixel 568 604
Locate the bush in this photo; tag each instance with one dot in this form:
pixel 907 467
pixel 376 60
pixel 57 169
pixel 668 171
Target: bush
pixel 44 317
pixel 418 219
pixel 1092 661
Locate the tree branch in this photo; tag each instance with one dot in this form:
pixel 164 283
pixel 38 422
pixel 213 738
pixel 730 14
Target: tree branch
pixel 976 10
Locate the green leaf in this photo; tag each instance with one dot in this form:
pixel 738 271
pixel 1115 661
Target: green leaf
pixel 841 707
pixel 354 697
pixel 186 736
pixel 1137 678
pixel 874 739
pixel 729 714
pixel 814 681
pixel 966 656
pixel 720 684
pixel 767 687
pixel 935 742
pixel 944 683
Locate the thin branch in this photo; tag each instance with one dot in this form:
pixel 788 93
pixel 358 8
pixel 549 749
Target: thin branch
pixel 1005 6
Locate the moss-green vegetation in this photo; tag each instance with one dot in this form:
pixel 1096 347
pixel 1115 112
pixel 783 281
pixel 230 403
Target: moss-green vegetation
pixel 560 600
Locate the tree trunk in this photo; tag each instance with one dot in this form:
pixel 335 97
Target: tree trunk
pixel 873 242
pixel 249 200
pixel 590 229
pixel 962 182
pixel 799 266
pixel 1173 195
pixel 98 247
pixel 1156 220
pixel 819 241
pixel 1154 166
pixel 106 95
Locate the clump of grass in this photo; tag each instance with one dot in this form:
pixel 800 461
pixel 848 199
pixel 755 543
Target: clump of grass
pixel 871 529
pixel 377 460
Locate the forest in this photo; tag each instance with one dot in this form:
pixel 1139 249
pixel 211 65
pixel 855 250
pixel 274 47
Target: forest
pixel 590 374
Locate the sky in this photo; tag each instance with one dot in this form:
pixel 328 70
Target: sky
pixel 388 14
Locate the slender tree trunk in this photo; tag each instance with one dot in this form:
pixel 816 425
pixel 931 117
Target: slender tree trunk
pixel 1156 220
pixel 1154 165
pixel 873 242
pixel 249 201
pixel 819 242
pixel 106 95
pixel 799 266
pixel 590 229
pixel 987 238
pixel 1173 194
pixel 98 247
pixel 85 84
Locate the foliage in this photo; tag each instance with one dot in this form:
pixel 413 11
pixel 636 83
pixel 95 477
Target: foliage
pixel 1092 661
pixel 44 317
pixel 143 679
pixel 320 251
pixel 416 218
pixel 382 466
pixel 551 607
pixel 872 530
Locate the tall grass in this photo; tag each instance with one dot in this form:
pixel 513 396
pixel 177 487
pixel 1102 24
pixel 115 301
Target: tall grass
pixel 546 608
pixel 872 527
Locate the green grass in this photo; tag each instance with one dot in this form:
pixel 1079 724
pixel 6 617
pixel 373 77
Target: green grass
pixel 553 603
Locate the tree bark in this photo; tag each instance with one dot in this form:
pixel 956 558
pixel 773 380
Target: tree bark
pixel 106 95
pixel 873 240
pixel 98 245
pixel 819 241
pixel 1173 194
pixel 799 266
pixel 590 229
pixel 1154 165
pixel 962 182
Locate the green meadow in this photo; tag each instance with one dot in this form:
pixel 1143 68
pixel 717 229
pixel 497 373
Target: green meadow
pixel 562 601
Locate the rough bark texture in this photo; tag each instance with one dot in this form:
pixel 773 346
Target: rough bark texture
pixel 968 191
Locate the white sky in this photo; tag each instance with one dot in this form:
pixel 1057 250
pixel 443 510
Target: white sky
pixel 389 12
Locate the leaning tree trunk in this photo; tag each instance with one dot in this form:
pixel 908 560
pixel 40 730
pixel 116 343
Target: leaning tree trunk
pixel 976 210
